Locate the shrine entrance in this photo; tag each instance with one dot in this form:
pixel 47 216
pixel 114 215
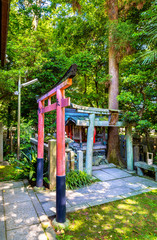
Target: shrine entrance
pixel 59 106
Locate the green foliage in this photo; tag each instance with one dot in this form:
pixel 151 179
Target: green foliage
pixel 45 39
pixel 131 218
pixel 77 179
pixel 8 173
pixel 137 96
pixel 26 132
pixel 27 165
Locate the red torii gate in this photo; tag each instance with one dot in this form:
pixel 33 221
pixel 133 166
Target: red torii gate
pixel 59 106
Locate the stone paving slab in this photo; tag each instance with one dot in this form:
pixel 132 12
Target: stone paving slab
pixel 110 165
pixel 116 173
pixel 34 232
pixel 50 207
pixel 102 176
pixel 37 205
pixel 81 198
pixel 2 222
pixel 77 207
pixel 20 214
pixel 127 195
pixel 7 185
pixel 105 200
pixel 15 195
pixel 78 198
pixel 1 196
pixel 144 181
pixel 2 227
pixel 46 196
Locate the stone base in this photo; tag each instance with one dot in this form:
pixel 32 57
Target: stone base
pixel 61 225
pixel 5 163
pixel 38 189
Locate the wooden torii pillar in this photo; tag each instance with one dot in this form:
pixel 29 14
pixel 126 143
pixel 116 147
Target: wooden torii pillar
pixel 59 106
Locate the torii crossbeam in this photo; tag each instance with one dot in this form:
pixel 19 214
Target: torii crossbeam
pixel 59 106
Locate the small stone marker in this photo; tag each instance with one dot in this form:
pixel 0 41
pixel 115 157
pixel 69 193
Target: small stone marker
pixel 80 160
pixel 36 136
pixel 72 160
pixel 1 142
pixel 136 153
pixel 149 158
pixel 52 163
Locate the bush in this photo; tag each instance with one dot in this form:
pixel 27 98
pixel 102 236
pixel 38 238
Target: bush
pixel 77 179
pixel 27 165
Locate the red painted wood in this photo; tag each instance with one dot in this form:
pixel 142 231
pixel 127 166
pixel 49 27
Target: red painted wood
pixel 94 137
pixel 49 108
pixel 51 93
pixel 67 130
pixel 64 103
pixel 59 171
pixel 49 101
pixel 63 130
pixel 40 153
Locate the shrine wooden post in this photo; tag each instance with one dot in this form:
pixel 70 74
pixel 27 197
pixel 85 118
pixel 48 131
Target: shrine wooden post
pixel 59 106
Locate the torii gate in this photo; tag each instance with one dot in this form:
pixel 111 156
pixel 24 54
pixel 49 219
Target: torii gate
pixel 59 106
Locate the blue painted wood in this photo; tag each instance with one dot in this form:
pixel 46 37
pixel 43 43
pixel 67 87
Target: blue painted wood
pixel 89 152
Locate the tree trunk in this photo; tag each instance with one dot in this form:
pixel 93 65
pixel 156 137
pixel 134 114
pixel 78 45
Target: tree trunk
pixel 113 154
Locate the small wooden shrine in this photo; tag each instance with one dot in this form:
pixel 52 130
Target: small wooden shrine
pixel 87 125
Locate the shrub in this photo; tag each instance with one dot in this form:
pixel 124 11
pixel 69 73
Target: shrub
pixel 27 165
pixel 77 179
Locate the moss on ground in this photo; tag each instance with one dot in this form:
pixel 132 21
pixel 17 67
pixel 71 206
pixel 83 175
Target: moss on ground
pixel 9 173
pixel 134 218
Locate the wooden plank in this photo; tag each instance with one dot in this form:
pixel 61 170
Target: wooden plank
pixel 49 101
pixel 95 112
pixel 61 86
pixel 64 103
pixel 115 110
pixel 145 166
pixel 85 123
pixel 49 108
pixel 89 109
pixel 89 152
pixel 86 109
pixel 129 149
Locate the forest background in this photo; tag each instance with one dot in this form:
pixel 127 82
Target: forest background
pixel 46 37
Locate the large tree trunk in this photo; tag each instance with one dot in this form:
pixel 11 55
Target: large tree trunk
pixel 113 154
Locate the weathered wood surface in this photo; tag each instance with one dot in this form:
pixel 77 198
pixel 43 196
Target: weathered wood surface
pixel 89 152
pixel 94 110
pixel 51 93
pixel 129 148
pixel 89 109
pixel 35 142
pixel 97 123
pixel 52 163
pixel 145 166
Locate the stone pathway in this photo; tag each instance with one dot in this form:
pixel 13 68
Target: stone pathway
pixel 21 214
pixel 24 213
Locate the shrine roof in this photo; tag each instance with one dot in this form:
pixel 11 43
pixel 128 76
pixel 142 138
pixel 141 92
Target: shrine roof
pixel 71 115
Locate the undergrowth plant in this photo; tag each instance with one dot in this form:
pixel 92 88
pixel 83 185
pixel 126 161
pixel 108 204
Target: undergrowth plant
pixel 27 165
pixel 77 179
